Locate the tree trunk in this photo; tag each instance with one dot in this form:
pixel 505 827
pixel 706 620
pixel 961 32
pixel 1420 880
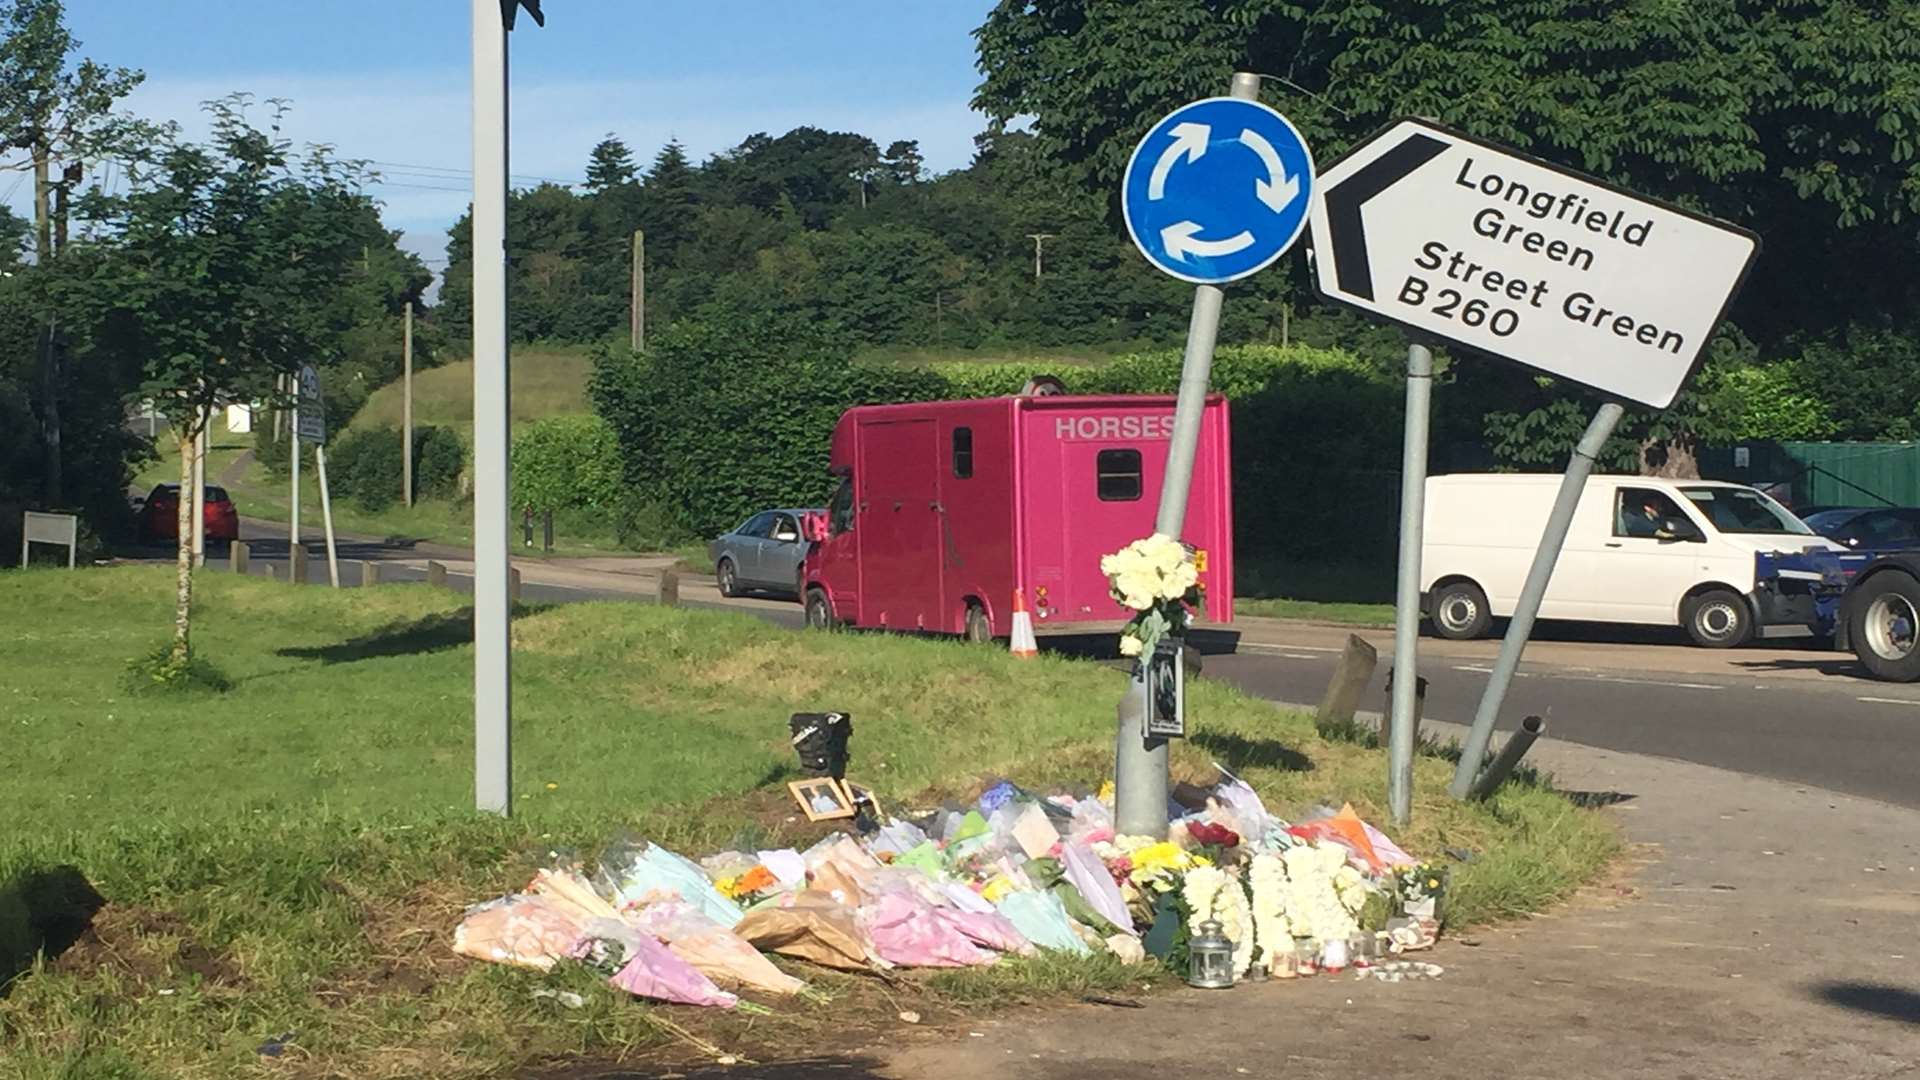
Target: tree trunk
pixel 183 561
pixel 1673 459
pixel 49 359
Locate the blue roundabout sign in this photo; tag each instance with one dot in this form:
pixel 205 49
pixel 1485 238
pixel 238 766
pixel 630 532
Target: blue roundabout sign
pixel 1218 190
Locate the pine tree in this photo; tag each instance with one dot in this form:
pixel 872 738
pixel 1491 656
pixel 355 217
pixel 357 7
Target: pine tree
pixel 610 165
pixel 671 190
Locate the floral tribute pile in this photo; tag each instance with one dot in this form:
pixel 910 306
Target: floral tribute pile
pixel 964 885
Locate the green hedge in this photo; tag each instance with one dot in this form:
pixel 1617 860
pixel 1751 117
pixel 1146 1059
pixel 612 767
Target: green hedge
pixel 567 462
pixel 365 465
pixel 719 419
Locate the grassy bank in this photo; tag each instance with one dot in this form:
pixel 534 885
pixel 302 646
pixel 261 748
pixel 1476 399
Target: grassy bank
pixel 290 856
pixel 547 381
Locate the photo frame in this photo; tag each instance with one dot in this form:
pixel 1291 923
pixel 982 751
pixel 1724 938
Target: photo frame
pixel 856 795
pixel 821 799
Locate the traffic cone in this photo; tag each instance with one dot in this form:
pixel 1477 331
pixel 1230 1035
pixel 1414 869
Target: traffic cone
pixel 1023 643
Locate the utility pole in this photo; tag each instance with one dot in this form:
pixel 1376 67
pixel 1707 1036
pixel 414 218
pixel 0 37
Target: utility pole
pixel 1037 239
pixel 638 315
pixel 406 404
pixel 49 348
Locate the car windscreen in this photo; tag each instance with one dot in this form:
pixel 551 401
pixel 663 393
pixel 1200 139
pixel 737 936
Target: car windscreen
pixel 1743 510
pixel 216 494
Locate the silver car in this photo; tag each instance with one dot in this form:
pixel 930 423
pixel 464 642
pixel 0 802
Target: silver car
pixel 763 554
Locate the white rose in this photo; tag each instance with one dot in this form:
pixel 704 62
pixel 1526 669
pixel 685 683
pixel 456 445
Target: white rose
pixel 1130 646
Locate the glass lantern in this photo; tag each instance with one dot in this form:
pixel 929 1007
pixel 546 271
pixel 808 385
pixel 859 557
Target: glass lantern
pixel 1210 958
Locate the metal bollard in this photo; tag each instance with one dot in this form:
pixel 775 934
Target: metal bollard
pixel 436 574
pixel 239 557
pixel 669 588
pixel 1516 748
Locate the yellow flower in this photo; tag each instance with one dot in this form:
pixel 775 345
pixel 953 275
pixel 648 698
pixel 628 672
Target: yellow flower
pixel 553 787
pixel 1433 883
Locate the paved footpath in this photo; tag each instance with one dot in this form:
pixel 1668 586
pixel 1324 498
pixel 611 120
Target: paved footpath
pixel 1760 930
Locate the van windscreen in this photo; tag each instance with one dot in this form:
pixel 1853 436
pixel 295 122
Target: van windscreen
pixel 1743 510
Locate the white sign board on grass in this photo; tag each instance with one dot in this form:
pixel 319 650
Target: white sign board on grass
pixel 1512 256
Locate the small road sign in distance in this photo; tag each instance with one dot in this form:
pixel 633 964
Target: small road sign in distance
pixel 1492 250
pixel 313 407
pixel 1218 190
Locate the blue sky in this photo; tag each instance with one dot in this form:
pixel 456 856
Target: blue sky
pixel 390 81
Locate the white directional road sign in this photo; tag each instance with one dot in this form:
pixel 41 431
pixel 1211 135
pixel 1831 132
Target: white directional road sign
pixel 1512 256
pixel 1218 190
pixel 313 408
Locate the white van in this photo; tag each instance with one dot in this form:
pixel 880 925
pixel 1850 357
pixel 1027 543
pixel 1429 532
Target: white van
pixel 1640 550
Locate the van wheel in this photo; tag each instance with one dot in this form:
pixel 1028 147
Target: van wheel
pixel 729 582
pixel 1884 625
pixel 820 611
pixel 1460 611
pixel 1717 619
pixel 978 628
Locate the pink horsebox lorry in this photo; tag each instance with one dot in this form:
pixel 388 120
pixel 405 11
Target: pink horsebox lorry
pixel 946 510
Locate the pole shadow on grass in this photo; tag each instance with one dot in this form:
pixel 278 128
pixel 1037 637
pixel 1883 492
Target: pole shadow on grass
pixel 1879 999
pixel 1239 753
pixel 43 912
pixel 411 637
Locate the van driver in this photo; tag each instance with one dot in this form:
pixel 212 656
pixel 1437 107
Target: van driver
pixel 1648 521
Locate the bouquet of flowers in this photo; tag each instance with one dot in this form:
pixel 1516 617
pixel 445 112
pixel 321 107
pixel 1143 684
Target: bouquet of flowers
pixel 1157 580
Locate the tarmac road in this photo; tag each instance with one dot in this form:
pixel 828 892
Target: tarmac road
pixel 1779 709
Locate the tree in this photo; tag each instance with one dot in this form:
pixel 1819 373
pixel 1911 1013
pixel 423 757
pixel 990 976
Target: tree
pixel 609 165
pixel 1798 119
pixel 206 278
pixel 902 161
pixel 58 113
pixel 669 194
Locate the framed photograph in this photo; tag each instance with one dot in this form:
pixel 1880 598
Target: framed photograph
pixel 858 796
pixel 821 799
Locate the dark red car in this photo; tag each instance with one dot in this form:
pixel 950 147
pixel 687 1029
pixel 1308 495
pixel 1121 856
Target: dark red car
pixel 160 516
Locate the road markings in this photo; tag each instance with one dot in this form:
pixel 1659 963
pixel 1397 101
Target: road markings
pixel 1283 650
pixel 1889 701
pixel 1595 678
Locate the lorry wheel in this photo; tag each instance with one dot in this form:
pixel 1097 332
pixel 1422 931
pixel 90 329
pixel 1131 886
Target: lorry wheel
pixel 1717 619
pixel 1884 624
pixel 1460 611
pixel 820 611
pixel 978 628
pixel 729 582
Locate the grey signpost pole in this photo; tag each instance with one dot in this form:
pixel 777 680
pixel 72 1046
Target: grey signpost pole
pixel 1406 601
pixel 293 449
pixel 1140 762
pixel 1521 626
pixel 406 406
pixel 492 656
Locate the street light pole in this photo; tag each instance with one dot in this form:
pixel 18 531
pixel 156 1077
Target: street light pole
pixel 492 652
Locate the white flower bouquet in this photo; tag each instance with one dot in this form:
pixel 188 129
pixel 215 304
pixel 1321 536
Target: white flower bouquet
pixel 1156 579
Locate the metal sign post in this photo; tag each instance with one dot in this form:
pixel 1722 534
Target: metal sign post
pixel 1406 598
pixel 1216 191
pixel 406 406
pixel 1508 255
pixel 310 425
pixel 492 647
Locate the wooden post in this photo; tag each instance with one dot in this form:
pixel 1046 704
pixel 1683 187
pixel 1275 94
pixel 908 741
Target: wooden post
pixel 1350 678
pixel 369 573
pixel 406 406
pixel 638 313
pixel 239 557
pixel 669 588
pixel 513 585
pixel 436 574
pixel 297 561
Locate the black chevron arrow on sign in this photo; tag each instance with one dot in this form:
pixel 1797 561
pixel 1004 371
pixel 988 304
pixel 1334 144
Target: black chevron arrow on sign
pixel 1344 200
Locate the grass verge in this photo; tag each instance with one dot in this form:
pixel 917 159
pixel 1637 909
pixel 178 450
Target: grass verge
pixel 291 855
pixel 547 381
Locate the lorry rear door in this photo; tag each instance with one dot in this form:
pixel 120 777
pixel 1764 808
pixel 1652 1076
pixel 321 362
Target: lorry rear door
pixel 901 536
